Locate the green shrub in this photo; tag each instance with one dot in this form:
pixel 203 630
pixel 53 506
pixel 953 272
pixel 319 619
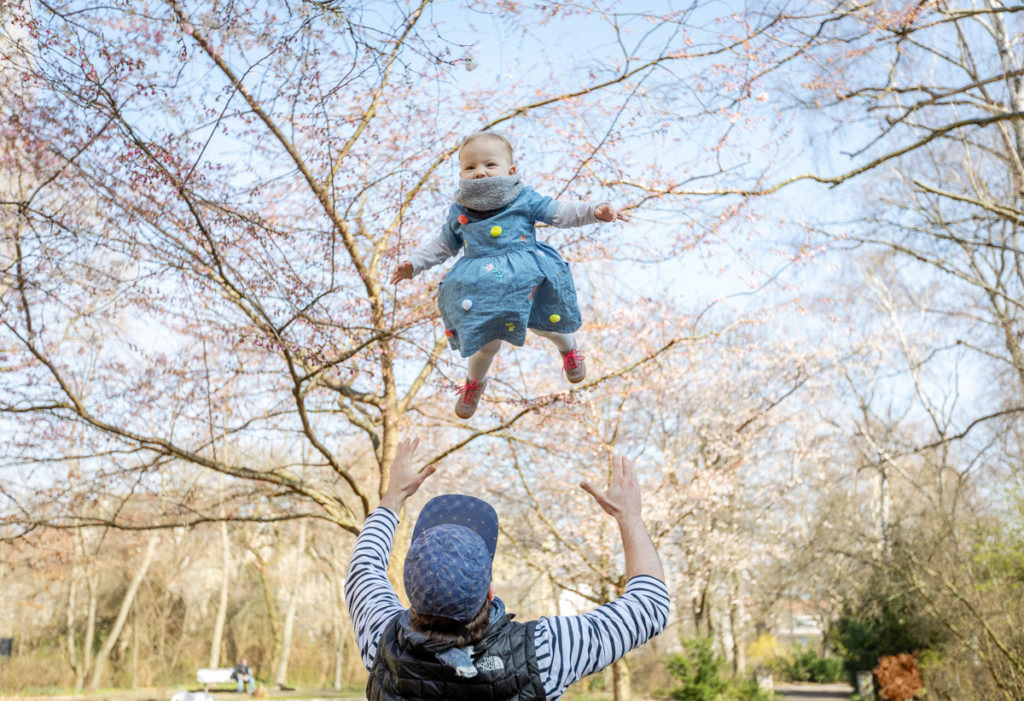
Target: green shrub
pixel 700 671
pixel 827 670
pixel 885 619
pixel 805 665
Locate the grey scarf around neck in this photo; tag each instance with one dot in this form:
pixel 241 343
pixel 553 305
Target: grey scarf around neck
pixel 486 194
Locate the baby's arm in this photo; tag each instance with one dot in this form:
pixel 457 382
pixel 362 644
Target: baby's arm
pixel 570 214
pixel 428 254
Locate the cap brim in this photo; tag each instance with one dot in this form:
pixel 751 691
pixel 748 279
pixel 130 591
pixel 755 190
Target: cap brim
pixel 460 510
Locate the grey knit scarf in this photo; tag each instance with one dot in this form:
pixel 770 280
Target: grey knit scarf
pixel 486 194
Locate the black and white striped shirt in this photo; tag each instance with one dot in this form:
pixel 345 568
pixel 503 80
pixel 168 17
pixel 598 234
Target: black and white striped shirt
pixel 568 647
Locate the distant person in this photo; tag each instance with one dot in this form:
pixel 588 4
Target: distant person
pixel 506 281
pixel 243 674
pixel 456 641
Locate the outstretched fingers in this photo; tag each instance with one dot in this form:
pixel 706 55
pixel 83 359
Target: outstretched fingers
pixel 404 479
pixel 622 498
pixel 403 474
pixel 600 497
pixel 404 452
pixel 626 471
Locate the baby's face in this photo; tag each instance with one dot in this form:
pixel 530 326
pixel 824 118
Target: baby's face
pixel 483 158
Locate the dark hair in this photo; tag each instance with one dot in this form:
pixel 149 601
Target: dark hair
pixel 448 630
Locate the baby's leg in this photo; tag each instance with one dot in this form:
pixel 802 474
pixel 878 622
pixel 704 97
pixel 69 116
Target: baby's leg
pixel 563 341
pixel 469 393
pixel 572 359
pixel 480 362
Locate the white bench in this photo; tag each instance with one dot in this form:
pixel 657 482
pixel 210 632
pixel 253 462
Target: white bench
pixel 219 675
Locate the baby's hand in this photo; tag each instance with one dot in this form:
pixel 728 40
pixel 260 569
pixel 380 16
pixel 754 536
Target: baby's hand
pixel 402 272
pixel 607 213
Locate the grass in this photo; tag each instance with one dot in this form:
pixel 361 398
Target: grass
pixel 346 691
pixel 62 691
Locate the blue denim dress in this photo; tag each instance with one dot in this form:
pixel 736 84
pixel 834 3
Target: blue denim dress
pixel 506 281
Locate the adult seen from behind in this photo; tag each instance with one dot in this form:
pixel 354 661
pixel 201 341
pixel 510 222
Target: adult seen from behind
pixel 456 640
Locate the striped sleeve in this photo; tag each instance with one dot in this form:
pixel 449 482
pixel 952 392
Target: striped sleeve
pixel 371 599
pixel 571 647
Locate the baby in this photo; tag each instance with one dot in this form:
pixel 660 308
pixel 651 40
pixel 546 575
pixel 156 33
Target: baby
pixel 506 281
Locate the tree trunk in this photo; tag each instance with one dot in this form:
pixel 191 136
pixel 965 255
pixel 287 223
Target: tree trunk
pixel 702 614
pixel 1014 81
pixel 70 621
pixel 340 624
pixel 620 680
pixel 222 603
pixel 739 661
pixel 881 509
pixel 122 615
pixel 270 602
pixel 90 632
pixel 135 649
pixel 293 602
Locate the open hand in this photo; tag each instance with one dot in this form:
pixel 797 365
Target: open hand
pixel 404 479
pixel 622 500
pixel 402 272
pixel 607 213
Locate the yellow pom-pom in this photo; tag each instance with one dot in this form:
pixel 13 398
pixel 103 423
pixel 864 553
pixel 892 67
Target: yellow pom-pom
pixel 495 231
pixel 554 318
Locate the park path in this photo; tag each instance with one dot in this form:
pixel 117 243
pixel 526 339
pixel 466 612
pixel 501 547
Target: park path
pixel 814 692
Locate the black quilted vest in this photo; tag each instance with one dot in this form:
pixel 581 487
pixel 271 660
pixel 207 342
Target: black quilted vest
pixel 505 659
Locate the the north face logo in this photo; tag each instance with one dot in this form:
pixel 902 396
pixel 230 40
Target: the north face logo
pixel 490 664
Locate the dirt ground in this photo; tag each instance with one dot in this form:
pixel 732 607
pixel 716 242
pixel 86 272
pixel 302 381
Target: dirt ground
pixel 814 692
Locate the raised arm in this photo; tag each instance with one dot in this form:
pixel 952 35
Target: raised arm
pixel 624 502
pixel 571 647
pixel 372 601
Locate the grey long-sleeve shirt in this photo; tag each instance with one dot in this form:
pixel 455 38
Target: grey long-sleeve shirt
pixel 568 215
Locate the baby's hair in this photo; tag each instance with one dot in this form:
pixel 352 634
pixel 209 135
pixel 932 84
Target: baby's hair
pixel 477 135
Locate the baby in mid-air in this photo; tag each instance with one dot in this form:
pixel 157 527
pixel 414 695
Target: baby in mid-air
pixel 506 281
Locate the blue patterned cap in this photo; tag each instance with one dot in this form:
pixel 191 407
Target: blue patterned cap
pixel 447 572
pixel 448 566
pixel 461 510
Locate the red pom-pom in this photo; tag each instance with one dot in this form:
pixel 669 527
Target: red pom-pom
pixel 449 333
pixel 463 219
